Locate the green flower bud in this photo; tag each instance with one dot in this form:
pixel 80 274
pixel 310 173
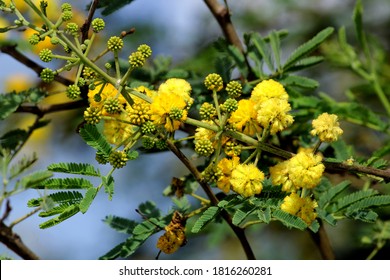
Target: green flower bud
pixel 230 105
pixel 118 159
pixel 98 25
pixel 54 40
pixel 136 59
pixel 81 82
pixel 213 82
pixel 145 50
pixel 100 158
pixel 67 15
pixel 112 105
pixel 92 115
pixel 46 55
pixel 207 111
pixel 176 114
pixel 107 65
pixel 234 89
pixel 72 28
pixel 161 144
pixel 73 91
pixel 148 127
pixel 148 143
pixel 212 173
pixel 89 73
pixel 204 147
pixel 34 39
pixel 47 75
pixel 114 43
pixel 66 7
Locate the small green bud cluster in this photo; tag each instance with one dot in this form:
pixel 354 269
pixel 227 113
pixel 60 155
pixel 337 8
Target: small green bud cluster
pixel 67 15
pixel 112 105
pixel 73 91
pixel 47 75
pixel 212 174
pixel 118 159
pixel 114 43
pixel 161 144
pixel 34 39
pixel 46 55
pixel 176 114
pixel 136 59
pixel 100 158
pixel 234 89
pixel 92 115
pixel 72 28
pixel 89 73
pixel 148 127
pixel 145 50
pixel 98 25
pixel 230 105
pixel 66 7
pixel 204 147
pixel 213 82
pixel 207 111
pixel 148 142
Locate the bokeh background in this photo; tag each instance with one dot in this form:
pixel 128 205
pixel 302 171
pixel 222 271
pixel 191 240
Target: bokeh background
pixel 181 30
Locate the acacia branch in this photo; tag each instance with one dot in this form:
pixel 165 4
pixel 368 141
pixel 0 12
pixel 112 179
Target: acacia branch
pixel 87 24
pixel 240 233
pixel 321 240
pixel 42 109
pixel 13 52
pixel 222 16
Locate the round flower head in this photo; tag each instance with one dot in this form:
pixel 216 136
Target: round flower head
pixel 244 119
pixel 226 166
pixel 179 87
pixel 304 170
pixel 268 89
pixel 327 127
pixel 114 43
pixel 100 93
pixel 273 114
pixel 247 179
pixel 213 82
pixel 300 207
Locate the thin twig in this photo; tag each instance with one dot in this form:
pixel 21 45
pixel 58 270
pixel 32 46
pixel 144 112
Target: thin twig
pixel 87 24
pixel 322 241
pixel 240 233
pixel 12 51
pixel 42 109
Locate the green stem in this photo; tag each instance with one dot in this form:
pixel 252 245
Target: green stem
pixel 381 95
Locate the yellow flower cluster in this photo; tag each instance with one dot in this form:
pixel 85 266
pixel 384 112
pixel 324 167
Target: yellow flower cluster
pixel 304 170
pixel 267 108
pixel 244 179
pixel 327 127
pixel 300 207
pixel 173 95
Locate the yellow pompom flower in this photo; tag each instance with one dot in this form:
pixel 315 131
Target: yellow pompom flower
pixel 304 170
pixel 244 119
pixel 179 87
pixel 247 180
pixel 268 89
pixel 226 166
pixel 117 132
pixel 327 127
pixel 273 114
pixel 300 207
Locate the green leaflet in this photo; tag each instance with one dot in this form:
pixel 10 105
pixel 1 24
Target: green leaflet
pixel 275 46
pixel 36 179
pixel 206 217
pixel 368 202
pixel 63 183
pixel 293 80
pixel 243 212
pixel 74 168
pixel 69 212
pixel 306 63
pixel 87 200
pixel 307 47
pixel 328 196
pixel 120 224
pixel 261 49
pixel 347 200
pixel 93 138
pixel 289 220
pixel 108 183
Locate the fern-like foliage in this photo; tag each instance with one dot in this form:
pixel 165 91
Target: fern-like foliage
pixel 74 168
pixel 63 184
pixel 66 214
pixel 95 139
pixel 205 218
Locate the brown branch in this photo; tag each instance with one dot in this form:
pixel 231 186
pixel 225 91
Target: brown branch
pixel 222 16
pixel 12 240
pixel 240 233
pixel 322 241
pixel 87 23
pixel 12 51
pixel 42 109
